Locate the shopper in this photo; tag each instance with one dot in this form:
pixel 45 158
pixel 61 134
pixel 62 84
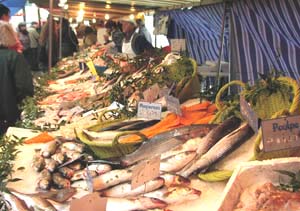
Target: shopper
pixel 69 43
pixel 117 35
pixel 90 37
pixel 34 44
pixel 133 43
pixel 140 21
pixel 44 43
pixel 5 16
pixel 102 36
pixel 23 36
pixel 15 78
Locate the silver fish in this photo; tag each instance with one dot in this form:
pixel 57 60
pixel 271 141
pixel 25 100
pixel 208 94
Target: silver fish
pixel 124 190
pixel 42 204
pixel 50 148
pixel 165 141
pixel 100 168
pixel 72 146
pixel 60 182
pixel 82 175
pixel 45 180
pixel 177 162
pixel 15 203
pixel 59 157
pixel 214 136
pixel 66 172
pixel 37 203
pixel 190 145
pixel 175 180
pixel 175 195
pixel 73 155
pixel 38 163
pixel 112 178
pixel 59 196
pixel 51 164
pixel 140 203
pixel 219 150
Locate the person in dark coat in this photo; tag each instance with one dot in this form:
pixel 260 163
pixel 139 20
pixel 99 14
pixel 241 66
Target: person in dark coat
pixel 15 78
pixel 69 43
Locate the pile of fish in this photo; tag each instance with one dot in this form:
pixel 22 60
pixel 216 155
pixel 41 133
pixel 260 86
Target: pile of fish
pixel 61 163
pixel 178 161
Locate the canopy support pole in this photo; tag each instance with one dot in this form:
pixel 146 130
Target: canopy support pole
pixel 50 35
pixel 222 46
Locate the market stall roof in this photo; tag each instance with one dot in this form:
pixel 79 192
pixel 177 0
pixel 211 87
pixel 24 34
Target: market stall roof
pixel 116 9
pixel 13 5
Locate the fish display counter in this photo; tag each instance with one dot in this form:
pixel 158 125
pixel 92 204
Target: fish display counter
pixel 82 135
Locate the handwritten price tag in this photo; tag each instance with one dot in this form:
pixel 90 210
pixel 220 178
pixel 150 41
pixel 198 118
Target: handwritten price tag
pixel 173 105
pixel 151 94
pixel 145 172
pixel 249 114
pixel 282 133
pixel 149 110
pixel 91 202
pixel 178 45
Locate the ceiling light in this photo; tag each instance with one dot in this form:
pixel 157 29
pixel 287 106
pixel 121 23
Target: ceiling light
pixel 107 6
pixel 81 13
pixel 94 20
pixel 132 9
pixel 79 19
pixel 131 17
pixel 70 20
pixel 81 5
pixel 66 7
pixel 106 17
pixel 61 4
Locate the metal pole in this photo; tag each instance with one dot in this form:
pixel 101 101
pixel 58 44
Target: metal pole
pixel 222 46
pixel 39 17
pixel 24 14
pixel 60 37
pixel 50 35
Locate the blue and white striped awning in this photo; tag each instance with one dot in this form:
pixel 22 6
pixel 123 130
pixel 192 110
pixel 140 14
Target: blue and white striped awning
pixel 266 36
pixel 202 28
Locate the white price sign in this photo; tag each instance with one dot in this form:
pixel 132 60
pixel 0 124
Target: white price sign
pixel 173 105
pixel 149 110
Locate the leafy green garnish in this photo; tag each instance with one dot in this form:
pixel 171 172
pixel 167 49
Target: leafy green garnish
pixel 294 184
pixel 8 153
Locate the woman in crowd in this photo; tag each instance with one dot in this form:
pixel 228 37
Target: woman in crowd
pixel 15 78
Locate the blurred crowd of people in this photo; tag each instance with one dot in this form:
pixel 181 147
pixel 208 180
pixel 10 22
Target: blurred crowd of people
pixel 26 48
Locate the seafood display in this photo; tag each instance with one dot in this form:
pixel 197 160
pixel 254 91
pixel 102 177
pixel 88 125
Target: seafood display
pixel 93 140
pixel 268 197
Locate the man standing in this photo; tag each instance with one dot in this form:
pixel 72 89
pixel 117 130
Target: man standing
pixel 34 44
pixel 133 43
pixel 142 30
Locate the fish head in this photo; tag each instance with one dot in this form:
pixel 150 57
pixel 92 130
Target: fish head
pixel 173 180
pixel 182 191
